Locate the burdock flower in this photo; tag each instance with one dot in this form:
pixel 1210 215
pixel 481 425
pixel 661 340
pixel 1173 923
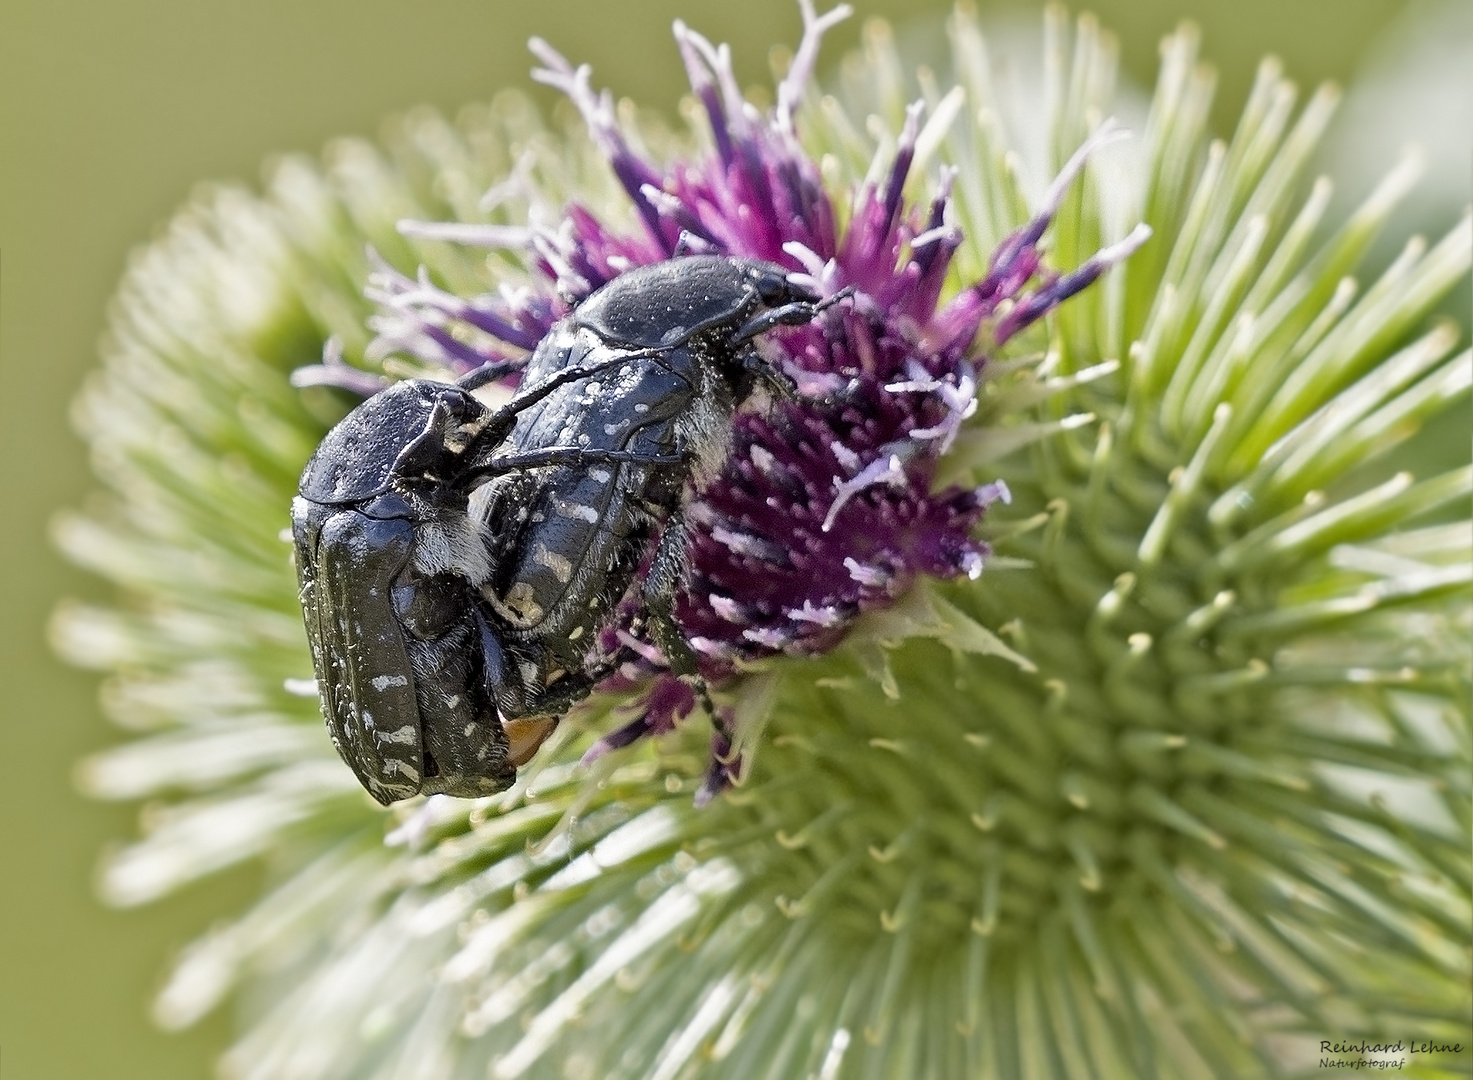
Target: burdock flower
pixel 1094 688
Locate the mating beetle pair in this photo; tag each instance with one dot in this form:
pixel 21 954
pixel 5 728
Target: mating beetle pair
pixel 457 563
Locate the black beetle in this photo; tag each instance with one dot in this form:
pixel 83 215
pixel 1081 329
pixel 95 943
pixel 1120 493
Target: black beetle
pixel 387 561
pixel 457 563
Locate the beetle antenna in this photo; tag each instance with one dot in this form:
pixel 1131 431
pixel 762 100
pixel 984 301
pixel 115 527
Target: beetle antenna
pixel 489 372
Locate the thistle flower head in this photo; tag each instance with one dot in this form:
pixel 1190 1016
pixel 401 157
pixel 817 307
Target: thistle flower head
pixel 1178 785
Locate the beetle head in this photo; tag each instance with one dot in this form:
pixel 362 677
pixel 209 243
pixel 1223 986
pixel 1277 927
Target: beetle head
pixel 410 430
pixel 773 285
pixel 436 453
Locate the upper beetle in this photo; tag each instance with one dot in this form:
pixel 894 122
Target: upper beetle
pixel 674 348
pixel 450 626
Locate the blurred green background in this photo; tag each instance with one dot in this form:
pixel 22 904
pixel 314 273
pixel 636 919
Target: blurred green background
pixel 109 114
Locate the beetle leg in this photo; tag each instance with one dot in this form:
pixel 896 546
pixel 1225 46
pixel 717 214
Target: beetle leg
pixel 513 699
pixel 795 314
pixel 427 448
pixel 561 695
pixel 526 719
pixel 544 708
pixel 533 394
pixel 778 380
pixel 667 572
pixel 503 680
pixel 571 456
pixel 499 423
pixel 489 372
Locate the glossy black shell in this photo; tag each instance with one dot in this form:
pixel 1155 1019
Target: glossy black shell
pixel 667 303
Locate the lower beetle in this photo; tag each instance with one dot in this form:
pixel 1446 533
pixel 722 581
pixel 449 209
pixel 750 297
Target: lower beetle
pixel 384 556
pixel 388 561
pixel 456 563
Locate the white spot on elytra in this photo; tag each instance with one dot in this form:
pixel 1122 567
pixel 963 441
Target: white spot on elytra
pixel 403 768
pixel 561 568
pixel 383 682
pixel 577 511
pixel 404 736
